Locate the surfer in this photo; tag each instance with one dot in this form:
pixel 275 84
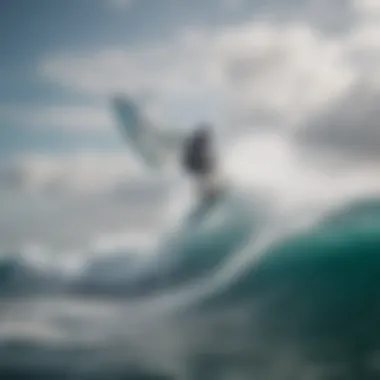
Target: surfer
pixel 154 146
pixel 198 160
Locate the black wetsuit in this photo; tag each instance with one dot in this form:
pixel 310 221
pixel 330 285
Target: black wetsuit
pixel 197 153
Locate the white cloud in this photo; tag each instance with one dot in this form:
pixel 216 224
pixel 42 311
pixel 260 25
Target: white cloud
pixel 348 124
pixel 260 73
pixel 282 72
pixel 85 172
pixel 277 165
pixel 367 8
pixel 70 202
pixel 74 118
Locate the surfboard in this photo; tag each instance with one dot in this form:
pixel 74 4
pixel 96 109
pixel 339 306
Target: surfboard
pixel 141 136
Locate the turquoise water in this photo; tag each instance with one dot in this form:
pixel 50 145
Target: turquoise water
pixel 217 301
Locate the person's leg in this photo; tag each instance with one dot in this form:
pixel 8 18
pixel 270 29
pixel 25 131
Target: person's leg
pixel 207 185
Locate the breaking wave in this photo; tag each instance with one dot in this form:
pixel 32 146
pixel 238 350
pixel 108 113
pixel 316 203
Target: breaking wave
pixel 236 291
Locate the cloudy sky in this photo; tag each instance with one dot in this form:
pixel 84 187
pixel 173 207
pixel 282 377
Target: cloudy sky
pixel 307 70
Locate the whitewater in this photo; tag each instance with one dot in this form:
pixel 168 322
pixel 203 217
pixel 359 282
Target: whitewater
pixel 278 280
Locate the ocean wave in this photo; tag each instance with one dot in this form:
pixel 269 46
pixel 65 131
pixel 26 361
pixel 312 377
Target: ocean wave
pixel 195 251
pixel 304 305
pixel 196 248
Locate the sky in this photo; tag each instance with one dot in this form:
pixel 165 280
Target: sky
pixel 307 71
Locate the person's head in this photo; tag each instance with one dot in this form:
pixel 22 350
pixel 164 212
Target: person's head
pixel 203 131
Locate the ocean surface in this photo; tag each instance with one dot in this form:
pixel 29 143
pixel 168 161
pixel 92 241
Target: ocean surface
pixel 233 292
